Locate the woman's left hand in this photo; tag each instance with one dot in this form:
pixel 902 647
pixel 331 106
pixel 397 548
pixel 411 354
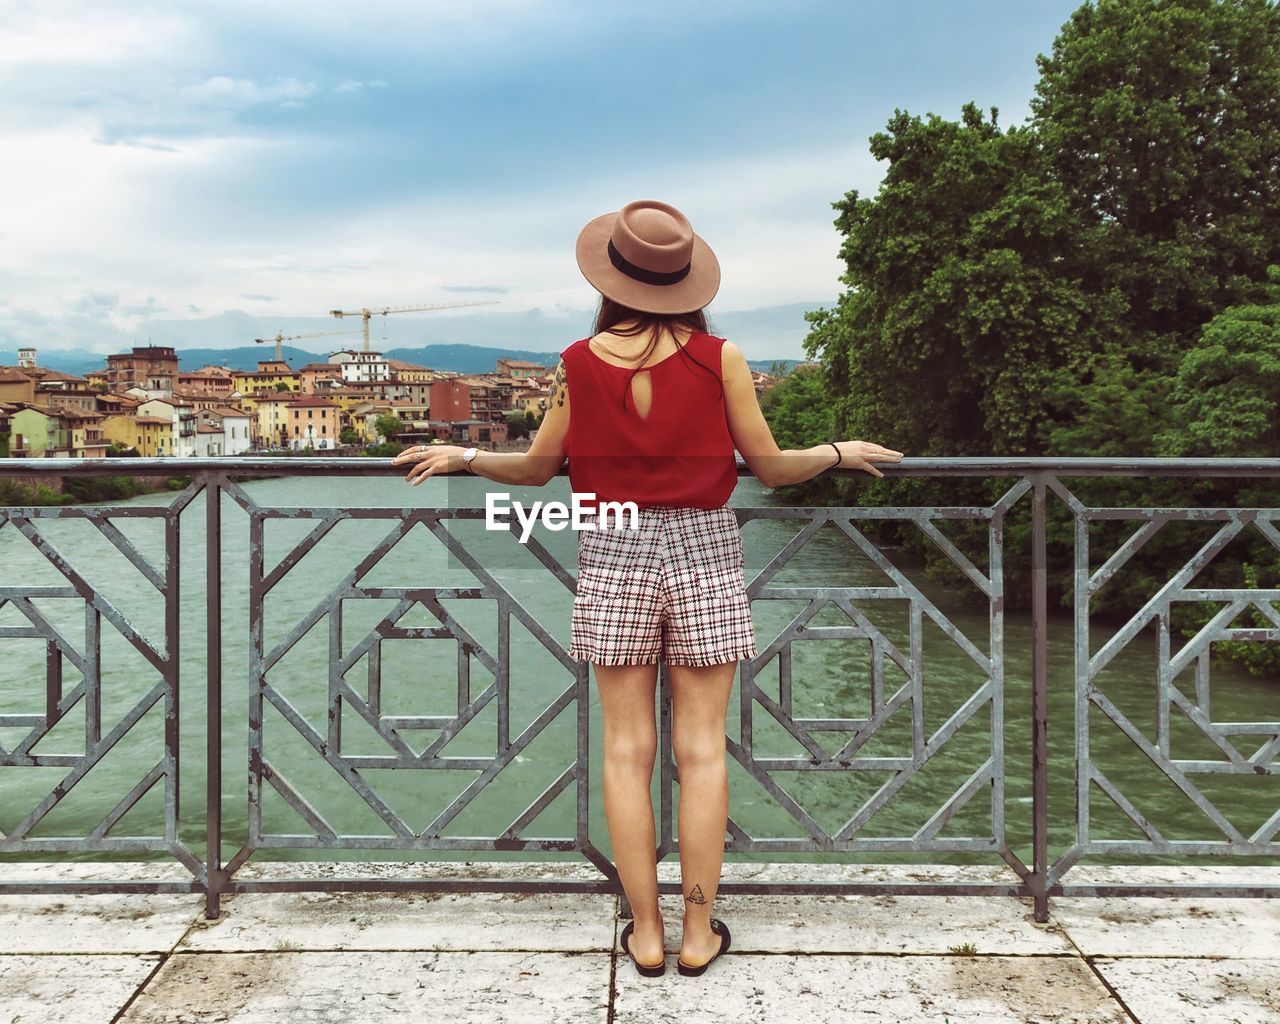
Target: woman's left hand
pixel 429 459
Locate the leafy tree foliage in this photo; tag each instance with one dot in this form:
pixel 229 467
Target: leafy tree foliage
pixel 388 425
pixel 1093 282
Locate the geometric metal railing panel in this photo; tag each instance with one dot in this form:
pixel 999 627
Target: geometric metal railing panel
pixel 345 698
pixel 1181 688
pixel 889 734
pixel 896 684
pixel 75 719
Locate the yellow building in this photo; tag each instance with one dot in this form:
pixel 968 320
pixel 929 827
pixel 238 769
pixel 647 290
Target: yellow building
pixel 84 429
pixel 270 416
pixel 266 379
pixel 150 435
pixel 534 401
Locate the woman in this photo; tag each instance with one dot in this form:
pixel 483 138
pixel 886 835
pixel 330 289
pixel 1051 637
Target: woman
pixel 658 407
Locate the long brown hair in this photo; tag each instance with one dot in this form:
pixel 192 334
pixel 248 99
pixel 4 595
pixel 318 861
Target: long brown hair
pixel 610 313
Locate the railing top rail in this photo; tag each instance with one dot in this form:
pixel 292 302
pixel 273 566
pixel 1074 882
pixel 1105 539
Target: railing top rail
pixel 324 465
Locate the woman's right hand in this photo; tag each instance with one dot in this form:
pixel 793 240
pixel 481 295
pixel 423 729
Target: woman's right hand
pixel 864 454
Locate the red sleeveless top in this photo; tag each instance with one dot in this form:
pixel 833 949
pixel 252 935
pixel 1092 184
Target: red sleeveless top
pixel 681 454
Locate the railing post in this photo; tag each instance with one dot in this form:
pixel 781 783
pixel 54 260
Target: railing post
pixel 213 710
pixel 1039 690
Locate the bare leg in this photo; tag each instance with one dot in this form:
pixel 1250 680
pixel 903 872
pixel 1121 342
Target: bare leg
pixel 630 748
pixel 700 698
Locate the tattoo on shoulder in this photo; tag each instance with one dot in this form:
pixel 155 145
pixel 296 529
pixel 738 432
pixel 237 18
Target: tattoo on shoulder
pixel 696 896
pixel 560 383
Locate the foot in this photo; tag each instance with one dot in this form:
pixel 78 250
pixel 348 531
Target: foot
pixel 647 943
pixel 697 947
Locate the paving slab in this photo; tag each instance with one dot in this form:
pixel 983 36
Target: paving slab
pixel 95 923
pixel 87 870
pixel 871 990
pixel 1196 991
pixel 375 987
pixel 411 920
pixel 1152 926
pixel 69 989
pixel 877 924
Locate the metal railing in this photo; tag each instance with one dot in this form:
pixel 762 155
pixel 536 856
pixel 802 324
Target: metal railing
pixel 895 677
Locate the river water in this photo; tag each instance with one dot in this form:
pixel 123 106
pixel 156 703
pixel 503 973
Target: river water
pixel 419 677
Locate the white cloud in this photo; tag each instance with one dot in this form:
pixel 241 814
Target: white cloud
pixel 232 93
pixel 81 33
pixel 355 85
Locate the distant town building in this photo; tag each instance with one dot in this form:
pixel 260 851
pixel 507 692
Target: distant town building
pixel 149 436
pixel 270 376
pixel 521 368
pixel 311 422
pixel 37 431
pixel 412 372
pixel 181 414
pixel 225 426
pixel 152 367
pixel 319 377
pixel 363 367
pixel 218 381
pixel 533 400
pixel 16 386
pixel 269 417
pixel 450 400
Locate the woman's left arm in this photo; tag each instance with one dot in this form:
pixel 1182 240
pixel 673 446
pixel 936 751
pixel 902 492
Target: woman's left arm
pixel 534 467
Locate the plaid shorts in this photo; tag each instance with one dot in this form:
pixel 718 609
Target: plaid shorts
pixel 671 590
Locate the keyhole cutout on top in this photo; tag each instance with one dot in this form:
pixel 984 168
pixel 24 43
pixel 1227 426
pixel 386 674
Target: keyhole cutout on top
pixel 642 393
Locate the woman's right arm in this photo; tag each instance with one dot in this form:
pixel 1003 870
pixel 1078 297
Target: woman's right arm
pixel 773 466
pixel 546 455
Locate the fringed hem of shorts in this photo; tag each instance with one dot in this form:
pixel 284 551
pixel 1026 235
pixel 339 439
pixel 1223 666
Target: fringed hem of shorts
pixel 649 659
pixel 578 654
pixel 711 659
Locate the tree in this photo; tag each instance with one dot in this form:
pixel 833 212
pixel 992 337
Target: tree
pixel 798 409
pixel 964 294
pixel 517 426
pixel 1041 290
pixel 388 425
pixel 1227 388
pixel 1162 124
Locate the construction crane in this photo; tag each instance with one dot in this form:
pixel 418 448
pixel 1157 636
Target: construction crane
pixel 365 314
pixel 294 337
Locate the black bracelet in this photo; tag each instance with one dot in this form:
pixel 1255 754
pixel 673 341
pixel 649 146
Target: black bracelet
pixel 839 455
pixel 470 468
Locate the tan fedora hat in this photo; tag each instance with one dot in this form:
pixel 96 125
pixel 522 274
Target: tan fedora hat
pixel 646 256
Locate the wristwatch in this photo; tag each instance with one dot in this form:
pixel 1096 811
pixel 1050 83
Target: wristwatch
pixel 467 458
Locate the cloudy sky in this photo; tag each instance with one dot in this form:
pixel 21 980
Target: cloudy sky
pixel 179 161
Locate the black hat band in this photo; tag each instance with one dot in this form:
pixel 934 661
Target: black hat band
pixel 646 276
